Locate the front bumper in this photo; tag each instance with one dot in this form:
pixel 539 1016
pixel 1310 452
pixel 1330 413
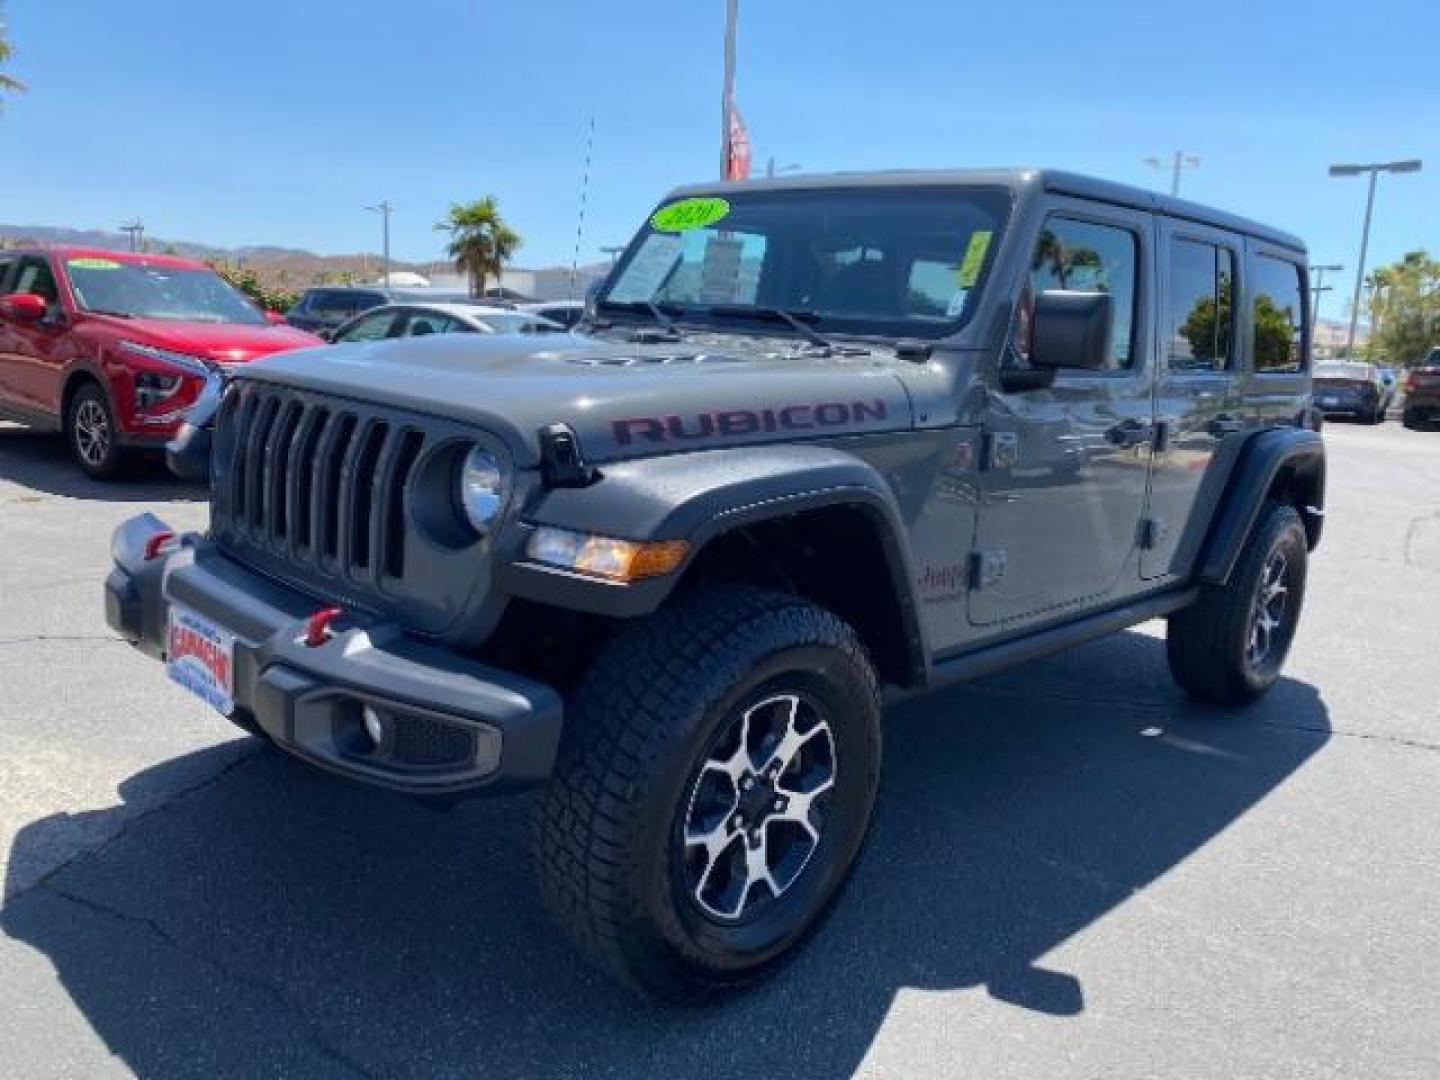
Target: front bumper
pixel 453 726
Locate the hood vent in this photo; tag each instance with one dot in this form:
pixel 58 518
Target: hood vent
pixel 655 360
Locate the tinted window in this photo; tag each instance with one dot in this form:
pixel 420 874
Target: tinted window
pixel 1279 336
pixel 1082 256
pixel 370 328
pixel 5 265
pixel 1201 314
pixel 432 322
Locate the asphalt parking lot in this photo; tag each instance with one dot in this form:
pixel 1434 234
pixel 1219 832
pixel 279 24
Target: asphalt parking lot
pixel 1074 872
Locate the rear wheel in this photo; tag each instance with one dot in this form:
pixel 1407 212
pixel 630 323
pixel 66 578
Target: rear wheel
pixel 1229 647
pixel 91 433
pixel 714 788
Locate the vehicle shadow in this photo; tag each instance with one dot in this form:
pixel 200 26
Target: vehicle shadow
pixel 286 921
pixel 39 460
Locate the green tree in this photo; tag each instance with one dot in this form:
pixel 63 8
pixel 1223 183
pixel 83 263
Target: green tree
pixel 480 241
pixel 249 283
pixel 1404 309
pixel 8 84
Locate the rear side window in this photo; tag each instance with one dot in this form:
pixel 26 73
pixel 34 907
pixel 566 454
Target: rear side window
pixel 1278 337
pixel 1201 311
pixel 1084 256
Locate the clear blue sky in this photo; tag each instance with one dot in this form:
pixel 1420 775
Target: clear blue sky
pixel 275 121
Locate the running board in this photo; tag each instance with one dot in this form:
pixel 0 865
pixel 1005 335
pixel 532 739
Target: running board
pixel 1019 650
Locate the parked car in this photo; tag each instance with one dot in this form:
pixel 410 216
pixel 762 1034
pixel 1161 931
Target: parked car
pixel 1422 392
pixel 111 347
pixel 826 436
pixel 416 320
pixel 1350 388
pixel 565 312
pixel 328 307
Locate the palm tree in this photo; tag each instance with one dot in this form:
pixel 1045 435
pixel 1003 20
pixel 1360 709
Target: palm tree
pixel 480 241
pixel 8 85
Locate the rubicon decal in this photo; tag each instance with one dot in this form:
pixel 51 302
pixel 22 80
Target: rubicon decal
pixel 736 423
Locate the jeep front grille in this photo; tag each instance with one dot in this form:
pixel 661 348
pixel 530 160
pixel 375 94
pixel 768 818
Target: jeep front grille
pixel 320 482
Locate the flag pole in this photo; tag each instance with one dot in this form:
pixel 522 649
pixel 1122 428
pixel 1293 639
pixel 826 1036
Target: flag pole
pixel 732 8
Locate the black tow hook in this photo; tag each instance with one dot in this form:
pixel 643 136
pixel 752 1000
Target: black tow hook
pixel 562 463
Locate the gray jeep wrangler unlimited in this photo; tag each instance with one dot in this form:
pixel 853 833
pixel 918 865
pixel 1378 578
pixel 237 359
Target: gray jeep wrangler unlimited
pixel 817 437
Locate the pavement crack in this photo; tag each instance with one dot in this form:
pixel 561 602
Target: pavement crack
pixel 31 639
pixel 144 815
pixel 266 989
pixel 1368 736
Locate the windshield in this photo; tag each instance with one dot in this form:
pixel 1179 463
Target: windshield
pixel 896 262
pixel 158 292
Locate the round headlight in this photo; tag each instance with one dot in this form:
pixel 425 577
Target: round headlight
pixel 482 488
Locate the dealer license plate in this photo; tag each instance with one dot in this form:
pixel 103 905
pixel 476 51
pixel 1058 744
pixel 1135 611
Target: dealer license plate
pixel 200 656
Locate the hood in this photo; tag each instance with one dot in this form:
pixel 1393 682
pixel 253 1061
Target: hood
pixel 623 400
pixel 225 343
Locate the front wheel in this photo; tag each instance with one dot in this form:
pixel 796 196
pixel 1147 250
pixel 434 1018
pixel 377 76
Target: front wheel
pixel 1228 648
pixel 91 432
pixel 713 790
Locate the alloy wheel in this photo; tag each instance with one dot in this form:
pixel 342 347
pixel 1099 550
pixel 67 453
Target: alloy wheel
pixel 757 807
pixel 1268 614
pixel 92 433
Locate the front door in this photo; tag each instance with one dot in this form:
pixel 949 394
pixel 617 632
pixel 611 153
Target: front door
pixel 1196 402
pixel 29 361
pixel 1064 472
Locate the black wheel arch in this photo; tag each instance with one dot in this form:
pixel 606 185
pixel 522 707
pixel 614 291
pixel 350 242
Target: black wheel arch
pixel 1285 465
pixel 763 499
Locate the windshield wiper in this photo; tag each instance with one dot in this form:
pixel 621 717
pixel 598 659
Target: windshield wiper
pixel 798 320
pixel 116 314
pixel 654 310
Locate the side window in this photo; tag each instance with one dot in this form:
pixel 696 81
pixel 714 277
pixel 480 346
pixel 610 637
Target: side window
pixel 431 322
pixel 5 264
pixel 1083 256
pixel 1200 319
pixel 35 276
pixel 1278 342
pixel 371 328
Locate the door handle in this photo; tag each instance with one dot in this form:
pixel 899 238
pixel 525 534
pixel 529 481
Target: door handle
pixel 1128 434
pixel 1224 425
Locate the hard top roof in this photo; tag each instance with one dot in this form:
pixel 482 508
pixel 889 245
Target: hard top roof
pixel 1017 180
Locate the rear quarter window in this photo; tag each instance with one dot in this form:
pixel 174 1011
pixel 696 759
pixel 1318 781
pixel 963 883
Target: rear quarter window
pixel 1278 317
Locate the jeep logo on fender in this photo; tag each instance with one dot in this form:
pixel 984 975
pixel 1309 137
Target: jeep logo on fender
pixel 735 423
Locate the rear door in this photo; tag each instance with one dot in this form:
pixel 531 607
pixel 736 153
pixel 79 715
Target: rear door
pixel 1197 403
pixel 1064 478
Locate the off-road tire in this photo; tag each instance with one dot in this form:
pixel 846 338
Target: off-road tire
pixel 642 721
pixel 88 407
pixel 1208 643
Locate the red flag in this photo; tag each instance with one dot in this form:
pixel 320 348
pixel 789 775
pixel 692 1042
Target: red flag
pixel 737 157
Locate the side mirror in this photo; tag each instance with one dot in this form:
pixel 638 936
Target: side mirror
pixel 23 307
pixel 1071 330
pixel 325 335
pixel 275 318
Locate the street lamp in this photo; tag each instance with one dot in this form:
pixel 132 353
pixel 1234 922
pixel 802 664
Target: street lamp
pixel 1317 276
pixel 1374 170
pixel 384 209
pixel 1181 162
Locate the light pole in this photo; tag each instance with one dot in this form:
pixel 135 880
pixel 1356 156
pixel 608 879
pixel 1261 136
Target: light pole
pixel 136 229
pixel 1317 276
pixel 1374 170
pixel 732 14
pixel 1181 162
pixel 384 209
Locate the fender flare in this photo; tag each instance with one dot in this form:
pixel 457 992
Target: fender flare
pixel 699 497
pixel 1294 457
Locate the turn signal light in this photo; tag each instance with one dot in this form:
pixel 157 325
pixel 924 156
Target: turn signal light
pixel 605 556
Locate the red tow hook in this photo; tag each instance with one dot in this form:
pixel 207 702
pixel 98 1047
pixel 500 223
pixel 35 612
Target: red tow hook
pixel 317 626
pixel 156 543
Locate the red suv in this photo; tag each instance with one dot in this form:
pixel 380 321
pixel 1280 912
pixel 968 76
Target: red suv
pixel 110 347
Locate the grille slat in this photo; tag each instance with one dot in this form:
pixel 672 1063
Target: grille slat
pixel 320 486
